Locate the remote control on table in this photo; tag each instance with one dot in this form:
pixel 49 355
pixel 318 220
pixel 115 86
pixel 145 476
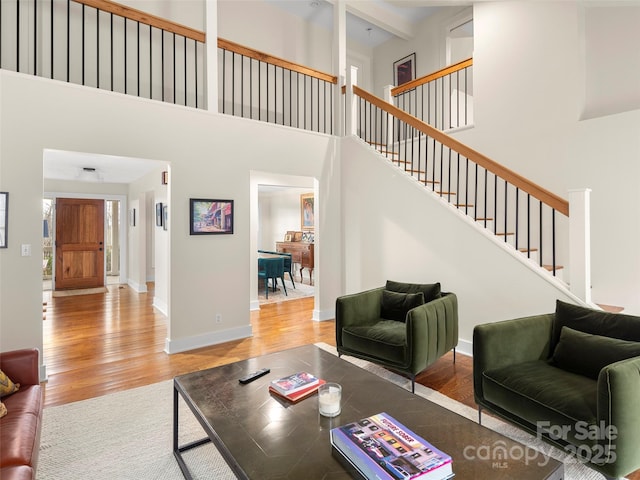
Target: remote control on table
pixel 252 376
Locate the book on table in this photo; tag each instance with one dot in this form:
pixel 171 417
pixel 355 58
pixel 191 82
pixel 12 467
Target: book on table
pixel 382 448
pixel 300 394
pixel 294 383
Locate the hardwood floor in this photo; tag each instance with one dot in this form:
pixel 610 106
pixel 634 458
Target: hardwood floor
pixel 103 343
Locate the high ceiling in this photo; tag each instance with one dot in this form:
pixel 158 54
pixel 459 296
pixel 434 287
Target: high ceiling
pixel 369 22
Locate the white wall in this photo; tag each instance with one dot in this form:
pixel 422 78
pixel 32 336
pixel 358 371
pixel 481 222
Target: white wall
pixel 209 157
pixel 279 213
pixel 528 99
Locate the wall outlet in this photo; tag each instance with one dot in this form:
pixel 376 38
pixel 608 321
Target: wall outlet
pixel 218 318
pixel 26 250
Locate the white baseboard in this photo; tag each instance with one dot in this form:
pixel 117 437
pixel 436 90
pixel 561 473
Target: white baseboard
pixel 254 305
pixel 137 287
pixel 161 305
pixel 206 339
pixel 323 315
pixel 465 347
pixel 43 373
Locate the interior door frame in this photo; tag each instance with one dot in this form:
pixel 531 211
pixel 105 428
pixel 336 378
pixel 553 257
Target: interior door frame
pixel 122 231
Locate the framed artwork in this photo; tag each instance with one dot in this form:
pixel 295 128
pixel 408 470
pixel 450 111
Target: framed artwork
pixel 132 217
pixel 404 70
pixel 307 209
pixel 4 223
pixel 210 217
pixel 158 214
pixel 165 217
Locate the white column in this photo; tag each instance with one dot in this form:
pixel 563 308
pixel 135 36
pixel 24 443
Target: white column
pixel 340 62
pixel 580 243
pixel 211 54
pixel 389 99
pixel 351 102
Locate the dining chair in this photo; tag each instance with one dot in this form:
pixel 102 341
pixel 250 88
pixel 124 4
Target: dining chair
pixel 271 268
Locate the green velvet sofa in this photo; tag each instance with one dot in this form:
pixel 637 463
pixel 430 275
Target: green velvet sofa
pixel 403 326
pixel 571 378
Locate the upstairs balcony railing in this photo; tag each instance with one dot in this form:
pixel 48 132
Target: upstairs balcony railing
pixel 102 44
pixel 442 99
pixel 263 87
pixel 512 207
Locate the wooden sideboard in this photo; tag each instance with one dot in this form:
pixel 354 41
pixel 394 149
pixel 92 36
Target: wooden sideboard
pixel 301 253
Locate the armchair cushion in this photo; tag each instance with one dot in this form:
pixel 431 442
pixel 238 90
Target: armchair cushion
pixel 387 338
pixel 596 322
pixel 431 291
pixel 395 305
pixel 587 354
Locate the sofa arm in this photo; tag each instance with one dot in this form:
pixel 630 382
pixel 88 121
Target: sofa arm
pixel 21 366
pixel 618 394
pixel 362 308
pixel 436 325
pixel 509 342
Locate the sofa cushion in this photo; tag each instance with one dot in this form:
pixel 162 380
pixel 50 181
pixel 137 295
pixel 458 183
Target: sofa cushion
pixel 394 305
pixel 17 472
pixel 587 354
pixel 385 340
pixel 536 391
pixel 596 322
pixel 7 386
pixel 430 291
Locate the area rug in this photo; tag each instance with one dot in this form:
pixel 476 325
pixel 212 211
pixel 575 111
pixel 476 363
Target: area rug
pixel 79 291
pixel 128 435
pixel 302 290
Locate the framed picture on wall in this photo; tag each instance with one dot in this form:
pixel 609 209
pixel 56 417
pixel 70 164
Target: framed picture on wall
pixel 307 211
pixel 404 70
pixel 4 224
pixel 210 217
pixel 158 214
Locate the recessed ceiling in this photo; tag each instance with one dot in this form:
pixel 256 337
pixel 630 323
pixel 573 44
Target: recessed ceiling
pixel 76 166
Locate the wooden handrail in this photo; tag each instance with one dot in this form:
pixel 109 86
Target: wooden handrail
pixel 524 184
pixel 265 57
pixel 146 18
pixel 432 76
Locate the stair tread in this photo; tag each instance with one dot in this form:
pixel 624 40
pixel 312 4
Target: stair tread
pixel 525 250
pixel 610 308
pixel 550 267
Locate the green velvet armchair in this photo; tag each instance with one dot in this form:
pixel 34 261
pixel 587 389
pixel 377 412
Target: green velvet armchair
pixel 402 326
pixel 572 378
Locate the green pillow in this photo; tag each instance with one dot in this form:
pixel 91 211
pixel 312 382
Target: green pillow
pixel 587 354
pixel 596 322
pixel 395 305
pixel 430 291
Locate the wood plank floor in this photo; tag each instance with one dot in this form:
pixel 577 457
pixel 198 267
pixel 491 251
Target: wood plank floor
pixel 103 343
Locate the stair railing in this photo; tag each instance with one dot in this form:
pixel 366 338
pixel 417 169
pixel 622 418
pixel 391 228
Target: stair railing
pixel 514 208
pixel 443 99
pixel 106 45
pixel 267 88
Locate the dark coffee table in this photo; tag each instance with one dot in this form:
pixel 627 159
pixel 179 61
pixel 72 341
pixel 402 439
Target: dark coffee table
pixel 263 437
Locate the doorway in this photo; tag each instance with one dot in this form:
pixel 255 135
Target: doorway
pixel 114 230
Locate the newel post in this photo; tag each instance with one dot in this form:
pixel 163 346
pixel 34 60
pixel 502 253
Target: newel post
pixel 351 102
pixel 580 243
pixel 388 97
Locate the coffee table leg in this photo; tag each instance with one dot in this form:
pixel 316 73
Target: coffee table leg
pixel 177 449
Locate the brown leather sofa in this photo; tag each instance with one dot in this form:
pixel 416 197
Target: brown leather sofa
pixel 20 428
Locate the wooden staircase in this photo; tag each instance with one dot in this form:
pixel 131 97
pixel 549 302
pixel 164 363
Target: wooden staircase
pixel 487 223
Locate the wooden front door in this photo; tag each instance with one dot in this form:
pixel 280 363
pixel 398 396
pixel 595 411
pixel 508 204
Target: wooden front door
pixel 79 243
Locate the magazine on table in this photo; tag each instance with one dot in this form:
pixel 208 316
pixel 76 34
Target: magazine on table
pixel 382 448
